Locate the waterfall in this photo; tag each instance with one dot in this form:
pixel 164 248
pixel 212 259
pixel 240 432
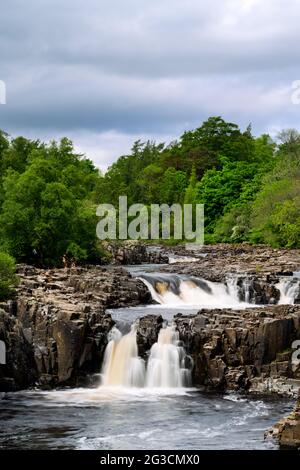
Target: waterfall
pixel 167 362
pixel 176 290
pixel 289 290
pixel 168 365
pixel 122 365
pixel 247 285
pixel 232 287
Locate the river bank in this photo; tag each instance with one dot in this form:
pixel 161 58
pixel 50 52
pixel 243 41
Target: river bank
pixel 236 311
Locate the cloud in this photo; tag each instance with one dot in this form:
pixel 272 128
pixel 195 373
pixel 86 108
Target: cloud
pixel 106 72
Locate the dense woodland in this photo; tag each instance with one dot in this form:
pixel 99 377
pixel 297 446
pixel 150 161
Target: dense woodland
pixel 250 187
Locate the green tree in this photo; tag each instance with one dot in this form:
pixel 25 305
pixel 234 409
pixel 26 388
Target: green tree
pixel 44 210
pixel 8 278
pixel 173 186
pixel 191 191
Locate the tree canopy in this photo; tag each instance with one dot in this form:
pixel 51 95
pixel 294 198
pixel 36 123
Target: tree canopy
pixel 250 187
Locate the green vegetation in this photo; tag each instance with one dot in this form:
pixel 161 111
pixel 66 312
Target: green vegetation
pixel 8 278
pixel 250 187
pixel 48 210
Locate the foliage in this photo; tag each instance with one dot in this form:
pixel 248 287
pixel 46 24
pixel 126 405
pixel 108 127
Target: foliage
pixel 47 207
pixel 8 278
pixel 49 193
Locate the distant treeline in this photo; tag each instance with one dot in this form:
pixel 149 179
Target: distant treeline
pixel 250 187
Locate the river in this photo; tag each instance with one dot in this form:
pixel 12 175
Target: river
pixel 157 414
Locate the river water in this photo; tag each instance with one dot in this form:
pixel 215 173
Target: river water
pixel 137 419
pixel 160 414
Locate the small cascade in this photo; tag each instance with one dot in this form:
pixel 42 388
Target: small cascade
pixel 289 291
pixel 233 287
pixel 247 286
pixel 168 364
pixel 122 365
pixel 238 291
pixel 176 290
pixel 241 289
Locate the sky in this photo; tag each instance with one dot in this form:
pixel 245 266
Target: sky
pixel 108 72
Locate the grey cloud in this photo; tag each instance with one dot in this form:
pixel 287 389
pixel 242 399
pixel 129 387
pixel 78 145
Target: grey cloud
pixel 123 68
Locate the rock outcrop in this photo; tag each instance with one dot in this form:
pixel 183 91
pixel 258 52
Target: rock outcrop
pixel 287 431
pixel 56 326
pixel 215 262
pixel 133 252
pixel 235 350
pixel 61 313
pixel 18 369
pixel 147 333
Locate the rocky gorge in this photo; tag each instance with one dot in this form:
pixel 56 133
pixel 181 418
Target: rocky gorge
pixel 56 327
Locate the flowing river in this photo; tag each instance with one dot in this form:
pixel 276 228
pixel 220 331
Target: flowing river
pixel 137 419
pixel 147 404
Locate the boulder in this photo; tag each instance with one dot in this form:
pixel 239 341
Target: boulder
pixel 147 332
pixel 19 369
pixel 287 431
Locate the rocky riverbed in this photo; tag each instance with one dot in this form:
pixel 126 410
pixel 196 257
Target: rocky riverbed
pixel 56 327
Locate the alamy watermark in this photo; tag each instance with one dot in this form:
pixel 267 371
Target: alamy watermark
pixel 2 92
pixel 157 221
pixel 2 353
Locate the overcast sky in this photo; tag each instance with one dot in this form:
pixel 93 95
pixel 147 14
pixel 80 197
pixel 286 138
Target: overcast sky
pixel 106 72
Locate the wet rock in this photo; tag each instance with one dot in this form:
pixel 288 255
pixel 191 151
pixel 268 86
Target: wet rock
pixel 19 370
pixel 287 430
pixel 216 262
pixel 147 332
pixel 61 316
pixel 231 349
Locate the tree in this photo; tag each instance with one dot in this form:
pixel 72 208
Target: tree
pixel 43 214
pixel 191 191
pixel 8 278
pixel 276 208
pixel 173 186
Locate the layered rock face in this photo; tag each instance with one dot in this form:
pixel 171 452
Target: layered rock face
pixel 58 320
pixel 19 369
pixel 238 349
pixel 133 252
pixel 216 261
pixel 61 316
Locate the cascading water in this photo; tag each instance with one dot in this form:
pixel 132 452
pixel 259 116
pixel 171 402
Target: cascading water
pixel 172 290
pixel 122 365
pixel 175 290
pixel 289 290
pixel 168 365
pixel 167 362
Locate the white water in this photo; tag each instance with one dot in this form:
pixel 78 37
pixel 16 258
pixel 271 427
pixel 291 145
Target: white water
pixel 182 259
pixel 166 365
pixel 289 290
pixel 190 294
pixel 176 290
pixel 122 365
